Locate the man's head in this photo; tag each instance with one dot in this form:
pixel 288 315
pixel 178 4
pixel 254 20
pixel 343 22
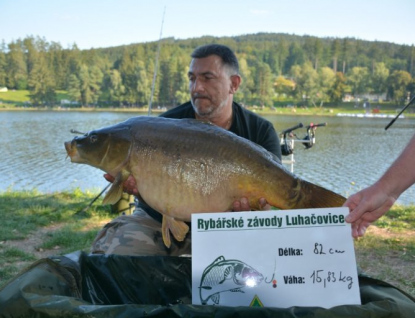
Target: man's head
pixel 213 79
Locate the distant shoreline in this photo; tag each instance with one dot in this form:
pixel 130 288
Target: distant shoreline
pixel 310 111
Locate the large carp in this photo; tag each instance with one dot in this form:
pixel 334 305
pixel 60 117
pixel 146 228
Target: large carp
pixel 185 166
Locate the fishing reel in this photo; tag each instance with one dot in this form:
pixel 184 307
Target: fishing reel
pixel 310 139
pixel 286 148
pixel 287 136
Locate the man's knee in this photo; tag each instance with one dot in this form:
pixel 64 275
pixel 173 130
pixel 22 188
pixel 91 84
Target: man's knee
pixel 136 234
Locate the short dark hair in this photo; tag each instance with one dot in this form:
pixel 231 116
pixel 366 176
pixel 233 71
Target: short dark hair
pixel 228 57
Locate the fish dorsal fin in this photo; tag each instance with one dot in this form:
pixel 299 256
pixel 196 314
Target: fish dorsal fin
pixel 179 229
pixel 219 259
pixel 115 192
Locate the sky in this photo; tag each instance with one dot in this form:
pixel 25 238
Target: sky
pixel 107 23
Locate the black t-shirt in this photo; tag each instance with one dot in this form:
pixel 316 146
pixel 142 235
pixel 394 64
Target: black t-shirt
pixel 244 123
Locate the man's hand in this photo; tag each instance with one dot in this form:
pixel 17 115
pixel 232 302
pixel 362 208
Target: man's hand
pixel 129 185
pixel 243 205
pixel 367 206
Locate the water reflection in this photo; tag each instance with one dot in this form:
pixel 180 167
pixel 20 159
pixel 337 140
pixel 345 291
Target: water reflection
pixel 349 154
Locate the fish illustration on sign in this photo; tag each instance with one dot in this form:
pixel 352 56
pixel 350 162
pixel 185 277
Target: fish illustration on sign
pixel 226 276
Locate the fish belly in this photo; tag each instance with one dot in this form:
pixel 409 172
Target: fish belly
pixel 192 176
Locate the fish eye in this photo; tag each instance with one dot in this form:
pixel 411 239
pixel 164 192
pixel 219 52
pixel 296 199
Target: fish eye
pixel 93 138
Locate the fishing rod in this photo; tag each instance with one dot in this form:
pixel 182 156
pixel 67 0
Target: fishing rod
pixel 149 110
pixel 92 202
pixel 397 116
pixel 156 67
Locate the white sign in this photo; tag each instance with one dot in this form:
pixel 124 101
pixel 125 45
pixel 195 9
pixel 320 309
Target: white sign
pixel 274 259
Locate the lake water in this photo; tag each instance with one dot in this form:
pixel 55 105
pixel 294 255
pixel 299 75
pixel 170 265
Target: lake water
pixel 349 154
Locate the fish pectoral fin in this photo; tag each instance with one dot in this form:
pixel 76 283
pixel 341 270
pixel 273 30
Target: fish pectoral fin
pixel 227 274
pixel 215 298
pixel 179 229
pixel 237 290
pixel 115 192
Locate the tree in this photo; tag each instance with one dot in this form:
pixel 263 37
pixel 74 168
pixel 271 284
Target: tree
pixel 181 87
pixel 16 67
pixel 306 78
pixel 31 53
pixel 345 54
pixel 314 49
pixel 326 79
pixel 295 57
pixel 375 54
pixel 3 73
pixel 284 87
pixel 263 89
pixel 74 88
pixel 168 71
pixel 379 78
pixel 143 84
pixel 358 79
pixel 114 87
pixel 337 90
pixel 134 73
pixel 335 53
pixel 41 83
pixel 244 93
pixel 282 51
pixel 58 64
pixel 90 80
pixel 398 83
pixel 84 80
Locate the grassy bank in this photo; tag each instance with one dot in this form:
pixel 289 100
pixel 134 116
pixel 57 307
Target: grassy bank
pixel 36 225
pixel 19 101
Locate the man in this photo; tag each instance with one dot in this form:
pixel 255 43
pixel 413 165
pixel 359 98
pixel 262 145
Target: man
pixel 213 80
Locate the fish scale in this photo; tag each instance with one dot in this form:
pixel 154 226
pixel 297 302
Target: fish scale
pixel 184 166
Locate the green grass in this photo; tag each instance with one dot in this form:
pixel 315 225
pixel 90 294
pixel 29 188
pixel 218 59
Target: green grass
pixel 24 212
pixel 387 251
pixel 13 98
pixel 67 242
pixel 56 223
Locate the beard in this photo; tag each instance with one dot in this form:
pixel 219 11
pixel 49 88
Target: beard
pixel 205 107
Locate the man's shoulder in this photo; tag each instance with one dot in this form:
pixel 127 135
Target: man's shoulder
pixel 249 115
pixel 182 111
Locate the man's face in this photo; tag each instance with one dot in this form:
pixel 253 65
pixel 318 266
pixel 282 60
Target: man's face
pixel 210 85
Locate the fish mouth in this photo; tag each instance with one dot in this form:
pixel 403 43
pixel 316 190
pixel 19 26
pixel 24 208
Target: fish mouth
pixel 70 150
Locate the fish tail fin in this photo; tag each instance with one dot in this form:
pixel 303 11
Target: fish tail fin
pixel 319 197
